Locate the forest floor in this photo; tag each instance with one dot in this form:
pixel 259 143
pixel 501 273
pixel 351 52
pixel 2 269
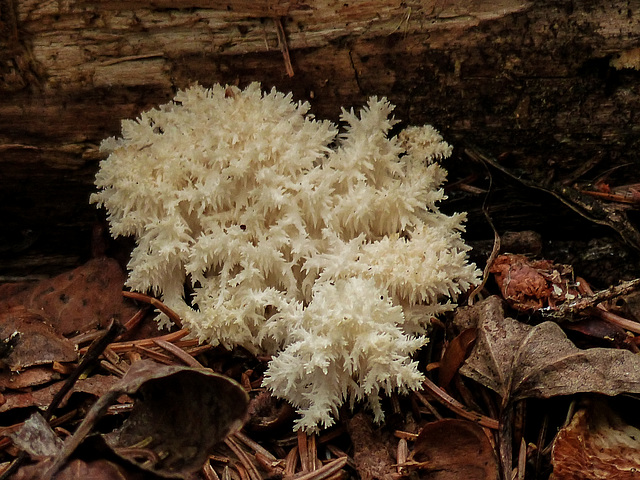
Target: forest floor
pixel 536 375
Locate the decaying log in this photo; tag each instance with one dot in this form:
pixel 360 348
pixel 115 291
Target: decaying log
pixel 535 78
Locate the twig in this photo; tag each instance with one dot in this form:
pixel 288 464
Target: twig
pixel 455 406
pixel 290 462
pixel 95 350
pixel 584 303
pixel 209 472
pixel 496 236
pixel 402 454
pixel 284 48
pixel 135 320
pixel 155 355
pixel 614 319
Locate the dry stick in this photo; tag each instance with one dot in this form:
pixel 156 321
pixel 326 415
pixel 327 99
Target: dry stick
pixel 135 320
pixel 312 453
pixel 601 311
pixel 111 368
pixel 157 356
pixel 522 459
pixel 402 455
pixel 450 402
pixel 209 472
pixel 611 317
pixel 496 237
pixel 431 408
pixel 242 472
pixel 568 310
pixel 290 462
pixel 284 48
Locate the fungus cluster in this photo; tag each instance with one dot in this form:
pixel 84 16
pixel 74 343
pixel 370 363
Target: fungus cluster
pixel 264 227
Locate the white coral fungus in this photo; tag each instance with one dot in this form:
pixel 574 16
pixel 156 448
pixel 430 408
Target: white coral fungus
pixel 326 250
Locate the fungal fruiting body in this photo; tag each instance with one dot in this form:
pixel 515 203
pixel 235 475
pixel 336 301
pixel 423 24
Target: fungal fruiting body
pixel 266 228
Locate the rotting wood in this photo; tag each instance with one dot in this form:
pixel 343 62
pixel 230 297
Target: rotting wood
pixel 506 75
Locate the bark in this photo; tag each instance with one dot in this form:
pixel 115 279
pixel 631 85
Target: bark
pixel 534 78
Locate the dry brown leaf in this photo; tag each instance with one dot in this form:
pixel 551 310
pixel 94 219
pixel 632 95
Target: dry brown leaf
pixel 81 470
pixel 27 378
pixel 454 449
pixel 179 414
pixel 520 361
pixel 455 355
pixel 37 438
pixel 37 342
pixel 76 301
pixel 41 397
pixel 596 445
pixel 184 413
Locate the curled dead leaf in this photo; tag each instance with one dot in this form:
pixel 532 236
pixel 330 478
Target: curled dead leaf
pixel 36 343
pixel 179 417
pixel 455 355
pixel 37 438
pixel 453 449
pixel 520 361
pixel 75 301
pixel 179 414
pixel 81 470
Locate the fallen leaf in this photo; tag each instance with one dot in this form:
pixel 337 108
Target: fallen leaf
pixel 80 470
pixel 179 414
pixel 454 449
pixel 36 343
pixel 455 355
pixel 597 329
pixel 39 398
pixel 596 445
pixel 95 385
pixel 27 378
pixel 520 361
pixel 184 413
pixel 76 301
pixel 37 438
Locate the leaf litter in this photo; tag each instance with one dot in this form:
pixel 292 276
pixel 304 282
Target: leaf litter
pixel 157 427
pixel 520 361
pixel 596 444
pixel 452 449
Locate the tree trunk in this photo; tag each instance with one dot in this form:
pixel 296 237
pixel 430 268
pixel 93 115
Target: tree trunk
pixel 545 80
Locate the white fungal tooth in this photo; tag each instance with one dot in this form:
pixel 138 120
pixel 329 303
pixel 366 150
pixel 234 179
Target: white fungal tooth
pixel 323 248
